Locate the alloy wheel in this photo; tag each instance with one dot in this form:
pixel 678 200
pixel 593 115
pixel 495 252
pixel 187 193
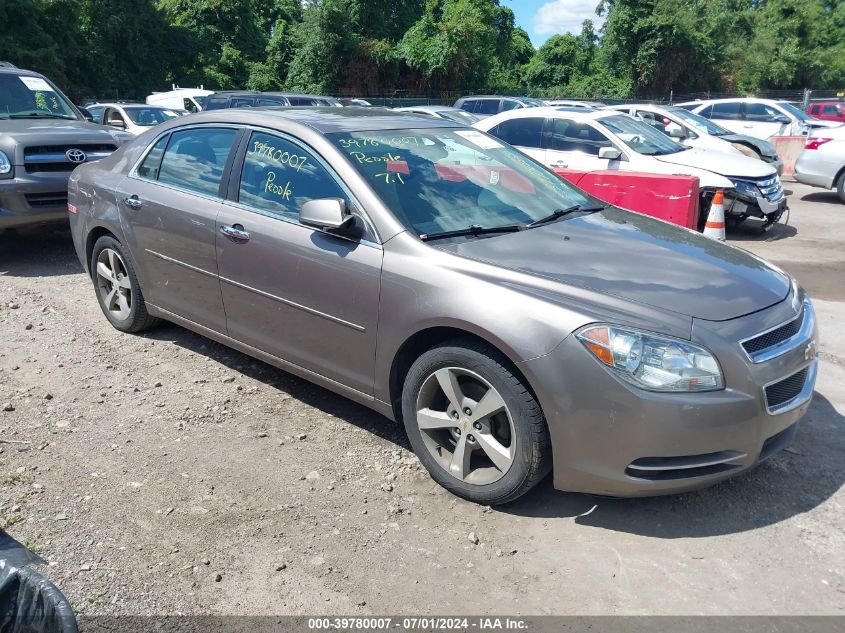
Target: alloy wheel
pixel 466 426
pixel 113 283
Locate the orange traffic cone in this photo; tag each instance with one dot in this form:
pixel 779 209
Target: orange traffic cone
pixel 715 225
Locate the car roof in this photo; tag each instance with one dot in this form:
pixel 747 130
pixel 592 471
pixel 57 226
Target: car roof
pixel 578 114
pixel 730 100
pixel 467 97
pixel 8 70
pixel 325 119
pixel 428 108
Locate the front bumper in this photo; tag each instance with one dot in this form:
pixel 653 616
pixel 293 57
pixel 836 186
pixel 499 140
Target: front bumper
pixel 27 200
pixel 611 438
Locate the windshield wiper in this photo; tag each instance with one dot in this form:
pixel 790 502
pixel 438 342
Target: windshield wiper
pixel 560 213
pixel 475 229
pixel 39 115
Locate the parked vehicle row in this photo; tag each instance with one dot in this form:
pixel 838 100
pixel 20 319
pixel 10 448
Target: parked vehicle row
pixel 590 140
pixel 822 163
pixel 444 279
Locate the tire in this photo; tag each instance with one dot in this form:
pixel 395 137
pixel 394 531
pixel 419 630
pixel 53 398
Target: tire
pixel 515 434
pixel 840 186
pixel 125 309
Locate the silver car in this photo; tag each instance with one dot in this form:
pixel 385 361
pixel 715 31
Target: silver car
pixel 822 162
pixel 514 324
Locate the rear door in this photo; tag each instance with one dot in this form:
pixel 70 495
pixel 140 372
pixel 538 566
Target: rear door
pixel 169 208
pixel 299 293
pixel 524 133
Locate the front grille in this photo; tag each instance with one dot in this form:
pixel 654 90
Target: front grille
pixel 770 187
pixel 772 338
pixel 52 158
pixel 782 392
pixel 57 199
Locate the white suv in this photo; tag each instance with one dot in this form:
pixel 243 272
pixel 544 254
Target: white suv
pixel 762 118
pixel 592 140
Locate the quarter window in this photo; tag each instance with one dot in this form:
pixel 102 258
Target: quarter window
pixel 731 111
pixel 152 161
pixel 278 177
pixel 195 158
pixel 521 132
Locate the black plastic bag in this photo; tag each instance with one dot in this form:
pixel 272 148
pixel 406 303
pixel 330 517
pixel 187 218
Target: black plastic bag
pixel 29 603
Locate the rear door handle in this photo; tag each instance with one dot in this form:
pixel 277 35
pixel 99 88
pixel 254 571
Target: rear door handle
pixel 235 232
pixel 560 163
pixel 133 202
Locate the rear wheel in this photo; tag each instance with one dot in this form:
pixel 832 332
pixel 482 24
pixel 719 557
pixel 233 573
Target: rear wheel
pixel 118 291
pixel 474 424
pixel 840 186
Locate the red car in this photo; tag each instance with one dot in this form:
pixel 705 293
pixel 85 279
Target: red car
pixel 828 110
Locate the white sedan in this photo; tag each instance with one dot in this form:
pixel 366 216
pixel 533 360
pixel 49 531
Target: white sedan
pixel 592 140
pixel 135 118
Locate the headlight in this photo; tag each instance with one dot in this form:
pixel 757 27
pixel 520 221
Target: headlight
pixel 748 188
pixel 5 164
pixel 651 361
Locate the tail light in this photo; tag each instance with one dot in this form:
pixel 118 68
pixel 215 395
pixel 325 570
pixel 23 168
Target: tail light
pixel 815 142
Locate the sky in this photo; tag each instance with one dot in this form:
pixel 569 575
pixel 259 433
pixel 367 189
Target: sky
pixel 544 18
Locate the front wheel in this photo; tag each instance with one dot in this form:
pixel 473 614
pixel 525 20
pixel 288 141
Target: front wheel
pixel 118 291
pixel 474 424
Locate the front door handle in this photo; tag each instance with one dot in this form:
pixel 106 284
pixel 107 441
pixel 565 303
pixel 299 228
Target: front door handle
pixel 560 163
pixel 235 232
pixel 133 202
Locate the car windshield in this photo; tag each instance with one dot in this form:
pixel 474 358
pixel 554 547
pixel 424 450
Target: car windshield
pixel 459 116
pixel 148 117
pixel 639 136
pixel 31 97
pixel 798 114
pixel 697 122
pixel 445 179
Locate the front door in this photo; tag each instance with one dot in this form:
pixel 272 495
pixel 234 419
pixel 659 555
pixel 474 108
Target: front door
pixel 171 208
pixel 575 145
pixel 298 293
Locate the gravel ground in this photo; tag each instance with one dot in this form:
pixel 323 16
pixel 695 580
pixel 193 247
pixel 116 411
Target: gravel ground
pixel 166 474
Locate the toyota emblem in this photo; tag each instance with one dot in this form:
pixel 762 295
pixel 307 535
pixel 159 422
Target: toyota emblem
pixel 75 155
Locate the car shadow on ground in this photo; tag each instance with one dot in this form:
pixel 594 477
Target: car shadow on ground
pixel 326 401
pixel 823 197
pixel 752 231
pixel 792 482
pixel 38 253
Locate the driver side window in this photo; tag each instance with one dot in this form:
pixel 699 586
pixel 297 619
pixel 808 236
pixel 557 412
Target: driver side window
pixel 760 112
pixel 278 177
pixel 575 136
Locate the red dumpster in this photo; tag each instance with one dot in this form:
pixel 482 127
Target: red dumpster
pixel 673 198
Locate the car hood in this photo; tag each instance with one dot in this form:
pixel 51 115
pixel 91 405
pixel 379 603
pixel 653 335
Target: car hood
pixel 763 147
pixel 638 258
pixel 724 163
pixel 53 131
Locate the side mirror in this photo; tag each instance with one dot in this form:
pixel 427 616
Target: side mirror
pixel 87 114
pixel 328 214
pixel 120 123
pixel 610 153
pixel 781 118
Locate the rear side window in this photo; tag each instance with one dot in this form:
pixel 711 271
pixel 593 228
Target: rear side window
pixel 815 109
pixel 574 136
pixel 729 111
pixel 271 102
pixel 216 103
pixel 241 103
pixel 508 104
pixel 487 106
pixel 195 159
pixel 469 105
pixel 152 161
pixel 525 132
pixel 278 177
